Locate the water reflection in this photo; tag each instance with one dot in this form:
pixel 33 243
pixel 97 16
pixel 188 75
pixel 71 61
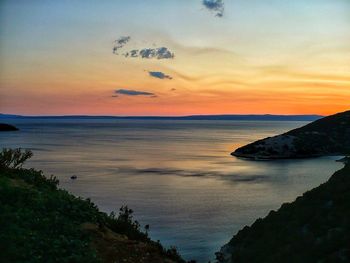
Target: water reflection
pixel 178 176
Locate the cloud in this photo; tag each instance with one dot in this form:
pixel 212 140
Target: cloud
pixel 148 53
pixel 164 53
pixel 120 43
pixel 129 92
pixel 159 75
pixel 215 6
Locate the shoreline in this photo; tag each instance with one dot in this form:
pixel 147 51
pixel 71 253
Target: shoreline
pixel 232 251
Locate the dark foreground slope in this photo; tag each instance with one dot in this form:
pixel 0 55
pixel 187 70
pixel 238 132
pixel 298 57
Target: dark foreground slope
pixel 41 223
pixel 313 228
pixel 326 136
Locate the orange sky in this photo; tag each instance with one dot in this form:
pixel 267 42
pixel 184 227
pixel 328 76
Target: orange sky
pixel 288 58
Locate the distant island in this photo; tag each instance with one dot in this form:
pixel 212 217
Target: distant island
pixel 7 127
pixel 327 136
pixel 246 117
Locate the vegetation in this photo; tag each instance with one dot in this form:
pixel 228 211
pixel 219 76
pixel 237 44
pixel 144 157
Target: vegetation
pixel 313 228
pixel 41 223
pixel 14 158
pixel 326 136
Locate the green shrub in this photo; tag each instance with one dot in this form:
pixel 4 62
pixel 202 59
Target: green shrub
pixel 10 158
pixel 41 223
pixel 125 224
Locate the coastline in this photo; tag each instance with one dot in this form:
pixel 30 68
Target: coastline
pixel 328 136
pixel 329 199
pixel 64 227
pixel 277 157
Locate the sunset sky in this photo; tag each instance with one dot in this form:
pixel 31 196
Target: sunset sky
pixel 235 56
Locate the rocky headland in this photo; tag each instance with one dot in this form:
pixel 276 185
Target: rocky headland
pixel 327 136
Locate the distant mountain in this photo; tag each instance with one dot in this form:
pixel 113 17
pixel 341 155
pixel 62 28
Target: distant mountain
pixel 327 136
pixel 313 228
pixel 253 117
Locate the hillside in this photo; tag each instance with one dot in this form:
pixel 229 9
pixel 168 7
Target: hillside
pixel 313 228
pixel 327 136
pixel 41 223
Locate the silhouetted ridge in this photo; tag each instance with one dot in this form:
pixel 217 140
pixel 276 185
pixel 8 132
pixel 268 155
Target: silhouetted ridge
pixel 327 136
pixel 313 228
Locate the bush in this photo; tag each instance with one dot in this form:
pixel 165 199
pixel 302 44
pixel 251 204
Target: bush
pixel 14 159
pixel 125 224
pixel 41 223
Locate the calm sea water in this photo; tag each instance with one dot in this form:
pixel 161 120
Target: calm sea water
pixel 178 176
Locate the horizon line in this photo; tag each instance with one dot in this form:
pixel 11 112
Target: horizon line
pixel 160 116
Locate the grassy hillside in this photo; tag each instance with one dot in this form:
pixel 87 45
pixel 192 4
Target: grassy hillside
pixel 41 223
pixel 326 136
pixel 313 228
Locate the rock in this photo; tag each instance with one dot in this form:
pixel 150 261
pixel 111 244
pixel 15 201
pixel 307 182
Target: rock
pixel 7 127
pixel 326 136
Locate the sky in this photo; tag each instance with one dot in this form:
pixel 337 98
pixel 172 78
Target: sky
pixel 174 57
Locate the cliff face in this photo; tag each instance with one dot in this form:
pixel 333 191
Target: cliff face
pixel 326 136
pixel 313 228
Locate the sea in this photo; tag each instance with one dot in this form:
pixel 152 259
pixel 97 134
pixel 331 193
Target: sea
pixel 177 175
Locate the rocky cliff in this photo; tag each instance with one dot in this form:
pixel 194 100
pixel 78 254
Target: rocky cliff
pixel 327 136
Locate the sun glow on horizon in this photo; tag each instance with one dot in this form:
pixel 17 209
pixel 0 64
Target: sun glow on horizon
pixel 281 58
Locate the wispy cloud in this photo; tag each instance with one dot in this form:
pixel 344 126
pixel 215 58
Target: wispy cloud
pixel 120 43
pixel 129 92
pixel 159 75
pixel 215 6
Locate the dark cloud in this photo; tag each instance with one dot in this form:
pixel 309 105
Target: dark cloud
pixel 159 75
pixel 128 92
pixel 163 53
pixel 120 43
pixel 215 6
pixel 132 53
pixel 146 53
